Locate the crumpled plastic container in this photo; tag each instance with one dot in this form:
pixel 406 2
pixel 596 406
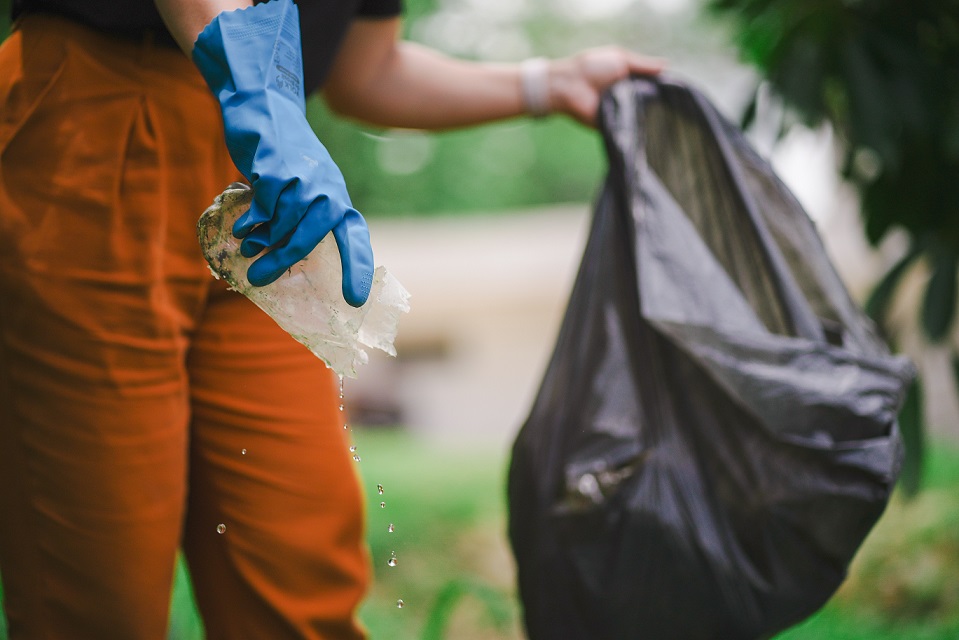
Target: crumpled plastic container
pixel 307 300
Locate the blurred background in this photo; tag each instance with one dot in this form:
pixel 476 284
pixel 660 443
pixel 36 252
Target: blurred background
pixel 855 102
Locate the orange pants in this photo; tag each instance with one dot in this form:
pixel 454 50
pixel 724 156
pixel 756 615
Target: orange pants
pixel 141 404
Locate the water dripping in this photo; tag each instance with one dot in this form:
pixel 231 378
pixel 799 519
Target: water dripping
pixel 400 604
pixel 392 561
pixel 221 528
pixel 356 457
pixel 242 452
pixel 352 448
pixel 346 426
pixel 390 529
pixel 382 505
pixel 379 489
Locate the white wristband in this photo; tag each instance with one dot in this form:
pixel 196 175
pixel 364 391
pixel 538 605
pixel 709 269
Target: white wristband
pixel 534 80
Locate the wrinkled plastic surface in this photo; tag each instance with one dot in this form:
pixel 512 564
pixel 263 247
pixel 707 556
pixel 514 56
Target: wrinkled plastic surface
pixel 306 301
pixel 716 431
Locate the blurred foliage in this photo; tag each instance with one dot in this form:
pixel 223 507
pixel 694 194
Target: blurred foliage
pixel 4 18
pixel 885 75
pixel 497 605
pixel 455 573
pixel 494 167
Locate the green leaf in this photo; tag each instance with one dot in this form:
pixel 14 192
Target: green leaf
pixel 185 621
pixel 955 369
pixel 496 604
pixel 911 427
pixel 878 302
pixel 4 19
pixel 870 120
pixel 800 78
pixel 950 137
pixel 760 36
pixel 749 113
pixel 939 303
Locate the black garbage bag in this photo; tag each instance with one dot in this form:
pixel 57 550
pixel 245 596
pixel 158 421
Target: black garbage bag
pixel 716 431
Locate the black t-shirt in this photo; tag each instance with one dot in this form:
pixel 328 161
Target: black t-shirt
pixel 323 23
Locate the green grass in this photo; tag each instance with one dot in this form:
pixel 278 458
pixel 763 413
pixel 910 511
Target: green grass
pixel 448 508
pixel 455 571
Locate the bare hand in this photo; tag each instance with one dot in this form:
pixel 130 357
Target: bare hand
pixel 576 82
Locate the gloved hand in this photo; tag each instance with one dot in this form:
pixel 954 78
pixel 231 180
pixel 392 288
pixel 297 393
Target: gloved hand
pixel 252 61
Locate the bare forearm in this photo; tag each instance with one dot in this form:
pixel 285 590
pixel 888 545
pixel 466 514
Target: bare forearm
pixel 420 88
pixel 186 18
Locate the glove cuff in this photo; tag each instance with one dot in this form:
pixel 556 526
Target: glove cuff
pixel 246 55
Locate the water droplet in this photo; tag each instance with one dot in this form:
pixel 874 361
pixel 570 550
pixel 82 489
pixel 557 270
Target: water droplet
pixel 341 406
pixel 400 604
pixel 243 452
pixel 390 528
pixel 392 561
pixel 341 387
pixel 356 457
pixel 382 505
pixel 221 528
pixel 353 448
pixel 379 489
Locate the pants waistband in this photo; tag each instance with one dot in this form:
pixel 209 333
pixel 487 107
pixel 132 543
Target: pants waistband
pixel 145 56
pixel 158 35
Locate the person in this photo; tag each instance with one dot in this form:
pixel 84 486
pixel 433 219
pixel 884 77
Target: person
pixel 142 406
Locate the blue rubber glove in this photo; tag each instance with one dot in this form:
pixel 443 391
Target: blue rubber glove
pixel 252 61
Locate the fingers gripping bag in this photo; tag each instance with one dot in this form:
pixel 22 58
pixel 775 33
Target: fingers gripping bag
pixel 716 431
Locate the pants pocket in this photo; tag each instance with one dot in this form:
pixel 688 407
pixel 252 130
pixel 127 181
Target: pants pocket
pixel 26 79
pixel 62 160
